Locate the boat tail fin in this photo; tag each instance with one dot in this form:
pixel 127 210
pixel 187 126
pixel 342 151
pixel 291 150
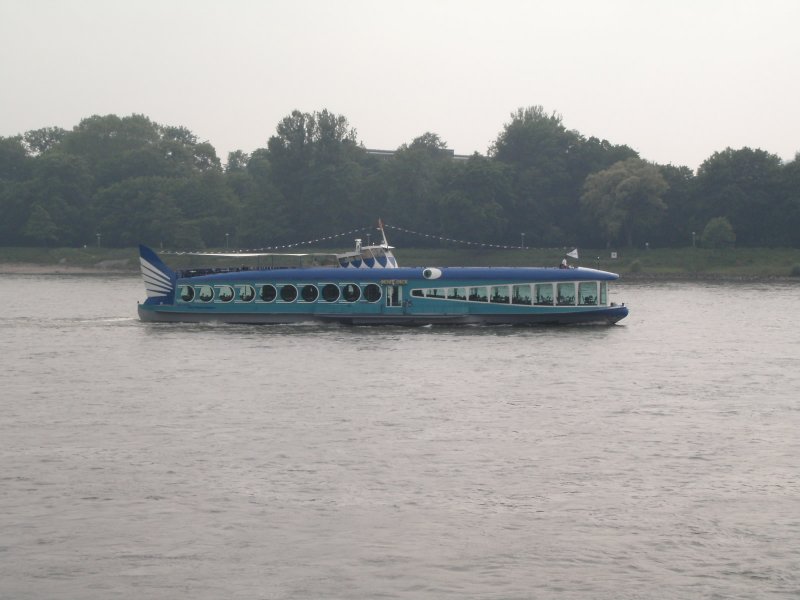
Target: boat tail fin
pixel 159 279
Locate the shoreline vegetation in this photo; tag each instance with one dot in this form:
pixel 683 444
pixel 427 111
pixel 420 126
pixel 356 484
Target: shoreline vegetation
pixel 668 264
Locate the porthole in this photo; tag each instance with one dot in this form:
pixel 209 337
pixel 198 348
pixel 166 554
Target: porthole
pixel 372 292
pixel 351 292
pixel 186 293
pixel 309 293
pixel 288 293
pixel 225 293
pixel 246 293
pixel 268 293
pixel 330 292
pixel 432 273
pixel 205 293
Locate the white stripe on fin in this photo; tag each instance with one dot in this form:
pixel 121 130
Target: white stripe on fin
pixel 156 282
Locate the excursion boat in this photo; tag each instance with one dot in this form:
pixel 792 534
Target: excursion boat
pixel 367 287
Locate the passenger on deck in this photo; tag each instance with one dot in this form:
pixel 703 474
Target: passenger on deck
pixel 563 264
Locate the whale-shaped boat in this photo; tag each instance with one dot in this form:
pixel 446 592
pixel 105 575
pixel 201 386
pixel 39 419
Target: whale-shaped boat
pixel 367 287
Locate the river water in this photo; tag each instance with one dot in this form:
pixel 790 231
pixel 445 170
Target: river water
pixel 653 459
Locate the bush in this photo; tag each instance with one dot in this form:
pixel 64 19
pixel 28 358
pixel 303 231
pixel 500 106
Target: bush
pixel 718 233
pixel 635 267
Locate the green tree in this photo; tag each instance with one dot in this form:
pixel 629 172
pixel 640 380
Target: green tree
pixel 262 221
pixel 625 199
pixel 15 164
pixel 237 161
pixel 718 233
pixel 143 209
pixel 535 144
pixel 415 180
pixel 134 179
pixel 63 185
pixel 15 211
pixel 39 141
pixel 317 167
pixel 208 204
pixel 785 221
pixel 112 146
pixel 40 226
pixel 117 148
pixel 549 164
pixel 744 186
pixel 474 206
pixel 680 218
pixel 585 157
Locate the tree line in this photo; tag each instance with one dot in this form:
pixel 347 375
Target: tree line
pixel 124 180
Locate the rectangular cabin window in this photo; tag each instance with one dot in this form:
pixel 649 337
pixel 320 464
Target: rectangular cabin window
pixel 499 294
pixel 417 293
pixel 478 294
pixel 457 294
pixel 521 294
pixel 603 293
pixel 543 294
pixel 587 293
pixel 566 294
pixel 434 293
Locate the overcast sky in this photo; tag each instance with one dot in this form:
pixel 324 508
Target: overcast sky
pixel 676 80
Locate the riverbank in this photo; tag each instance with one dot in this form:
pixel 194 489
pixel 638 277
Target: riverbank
pixel 58 269
pixel 68 260
pixel 657 264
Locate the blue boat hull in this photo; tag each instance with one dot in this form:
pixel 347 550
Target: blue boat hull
pixel 170 314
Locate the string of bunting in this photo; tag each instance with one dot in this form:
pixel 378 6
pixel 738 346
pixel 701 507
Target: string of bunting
pixel 363 230
pixel 447 239
pixel 287 246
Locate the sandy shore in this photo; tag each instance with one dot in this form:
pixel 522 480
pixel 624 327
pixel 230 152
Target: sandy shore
pixel 37 269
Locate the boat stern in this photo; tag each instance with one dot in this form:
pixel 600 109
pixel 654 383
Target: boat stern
pixel 159 279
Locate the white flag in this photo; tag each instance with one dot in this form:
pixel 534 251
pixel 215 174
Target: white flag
pixel 573 254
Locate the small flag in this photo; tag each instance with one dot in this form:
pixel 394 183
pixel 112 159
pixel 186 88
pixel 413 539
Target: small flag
pixel 573 254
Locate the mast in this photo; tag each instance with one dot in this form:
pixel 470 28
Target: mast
pixel 383 233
